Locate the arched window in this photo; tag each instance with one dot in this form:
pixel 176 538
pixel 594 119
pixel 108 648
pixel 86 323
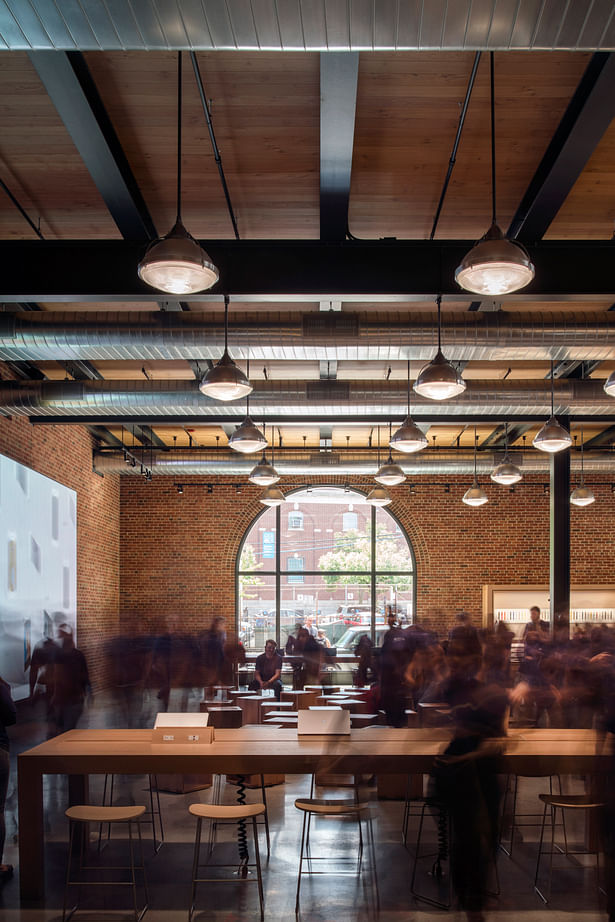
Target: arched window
pixel 344 565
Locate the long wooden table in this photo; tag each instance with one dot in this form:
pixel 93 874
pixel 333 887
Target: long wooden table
pixel 80 753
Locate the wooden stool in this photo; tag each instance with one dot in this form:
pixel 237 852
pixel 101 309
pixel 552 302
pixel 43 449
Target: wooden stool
pixel 239 814
pixel 87 813
pixel 564 802
pixel 310 807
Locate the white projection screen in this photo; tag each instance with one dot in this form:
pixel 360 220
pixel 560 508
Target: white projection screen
pixel 38 566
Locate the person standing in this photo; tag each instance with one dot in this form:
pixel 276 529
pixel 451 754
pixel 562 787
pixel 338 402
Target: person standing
pixel 536 624
pixel 72 681
pixel 8 716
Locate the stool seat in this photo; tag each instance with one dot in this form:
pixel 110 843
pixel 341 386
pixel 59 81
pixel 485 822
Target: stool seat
pixel 570 801
pixel 226 811
pixel 332 807
pixel 89 813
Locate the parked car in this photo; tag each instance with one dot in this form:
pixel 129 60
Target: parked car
pixel 351 637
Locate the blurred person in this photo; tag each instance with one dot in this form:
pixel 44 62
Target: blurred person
pixel 41 678
pixel 393 663
pixel 268 670
pixel 8 716
pixel 310 626
pixel 322 638
pixel 307 660
pixel 72 682
pixel 537 625
pixel 363 651
pixel 234 656
pixel 211 645
pixel 464 780
pixel 425 673
pixel 291 639
pixel 536 694
pixel 463 629
pixel 129 661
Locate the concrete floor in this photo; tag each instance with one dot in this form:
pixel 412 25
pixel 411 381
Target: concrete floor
pixel 326 898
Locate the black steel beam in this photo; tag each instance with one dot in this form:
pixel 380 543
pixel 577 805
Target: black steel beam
pixel 82 370
pixel 559 541
pixel 102 433
pixel 59 270
pixel 587 117
pixel 72 90
pixel 147 435
pixel 607 437
pixel 338 98
pixel 26 370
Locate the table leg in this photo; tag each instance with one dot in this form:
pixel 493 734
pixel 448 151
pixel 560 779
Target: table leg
pixel 31 830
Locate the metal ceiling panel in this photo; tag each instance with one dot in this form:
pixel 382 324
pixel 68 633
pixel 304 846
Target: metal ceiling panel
pixel 78 24
pixel 101 24
pixel 125 23
pixel 456 22
pixel 573 22
pixel 266 24
pixel 53 25
pixel 170 18
pixel 290 24
pixel 362 25
pixel 338 25
pixel 525 23
pixel 409 24
pixel 503 23
pixel 479 24
pixel 149 24
pixel 314 24
pixel 195 25
pixel 385 24
pixel 242 23
pixel 30 31
pixel 432 22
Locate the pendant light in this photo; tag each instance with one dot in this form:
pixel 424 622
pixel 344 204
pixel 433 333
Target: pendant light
pixel 439 379
pixel 475 496
pixel 506 472
pixel 379 496
pixel 552 437
pixel 609 385
pixel 177 264
pixel 389 474
pixel 408 438
pixel 264 474
pixel 272 496
pixel 225 381
pixel 582 495
pixel 496 265
pixel 247 438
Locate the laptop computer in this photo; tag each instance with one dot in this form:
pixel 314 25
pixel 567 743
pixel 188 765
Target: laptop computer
pixel 323 721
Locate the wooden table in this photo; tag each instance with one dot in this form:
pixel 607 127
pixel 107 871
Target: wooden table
pixel 80 753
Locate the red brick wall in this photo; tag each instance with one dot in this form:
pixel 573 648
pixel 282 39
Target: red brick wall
pixel 64 453
pixel 178 552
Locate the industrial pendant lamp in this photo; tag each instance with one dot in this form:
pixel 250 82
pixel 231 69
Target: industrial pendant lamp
pixel 496 265
pixel 272 496
pixel 475 496
pixel 177 264
pixel 264 474
pixel 609 385
pixel 582 495
pixel 439 379
pixel 389 474
pixel 506 472
pixel 408 438
pixel 225 381
pixel 552 437
pixel 379 496
pixel 247 438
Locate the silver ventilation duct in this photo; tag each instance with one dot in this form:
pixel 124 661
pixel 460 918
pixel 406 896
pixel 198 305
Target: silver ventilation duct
pixel 313 337
pixel 295 399
pixel 432 461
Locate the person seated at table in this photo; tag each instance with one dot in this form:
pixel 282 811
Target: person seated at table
pixel 268 670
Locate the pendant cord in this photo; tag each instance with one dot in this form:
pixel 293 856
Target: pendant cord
pixel 272 442
pixel 179 135
pixel 439 303
pixel 475 447
pixel 581 456
pixel 378 447
pixel 408 387
pixel 248 394
pixel 492 77
pixel 226 304
pixel 505 440
pixel 552 386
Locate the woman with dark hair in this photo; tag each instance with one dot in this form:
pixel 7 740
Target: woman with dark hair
pixel 8 716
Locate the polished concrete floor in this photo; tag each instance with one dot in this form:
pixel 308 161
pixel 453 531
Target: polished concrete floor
pixel 324 898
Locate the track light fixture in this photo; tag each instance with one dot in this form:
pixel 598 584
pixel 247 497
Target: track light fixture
pixel 506 472
pixel 582 495
pixel 408 438
pixel 475 496
pixel 180 489
pixel 225 381
pixel 496 265
pixel 439 379
pixel 176 263
pixel 552 437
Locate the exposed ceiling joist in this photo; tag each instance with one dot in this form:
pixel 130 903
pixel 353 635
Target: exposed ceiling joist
pixel 72 90
pixel 338 98
pixel 81 370
pixel 607 437
pixel 106 437
pixel 147 436
pixel 410 270
pixel 588 115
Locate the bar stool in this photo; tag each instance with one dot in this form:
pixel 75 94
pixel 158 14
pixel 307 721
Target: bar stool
pixel 514 824
pixel 87 813
pixel 563 802
pixel 153 812
pixel 238 814
pixel 358 811
pixel 216 796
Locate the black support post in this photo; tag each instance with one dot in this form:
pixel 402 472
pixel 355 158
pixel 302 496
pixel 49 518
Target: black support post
pixel 560 541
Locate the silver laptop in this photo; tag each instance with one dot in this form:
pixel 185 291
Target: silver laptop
pixel 323 721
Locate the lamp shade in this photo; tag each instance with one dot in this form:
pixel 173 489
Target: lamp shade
pixel 389 474
pixel 439 379
pixel 609 385
pixel 378 497
pixel 225 381
pixel 272 496
pixel 495 266
pixel 475 496
pixel 552 437
pixel 582 496
pixel 506 473
pixel 264 474
pixel 408 438
pixel 177 264
pixel 247 438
